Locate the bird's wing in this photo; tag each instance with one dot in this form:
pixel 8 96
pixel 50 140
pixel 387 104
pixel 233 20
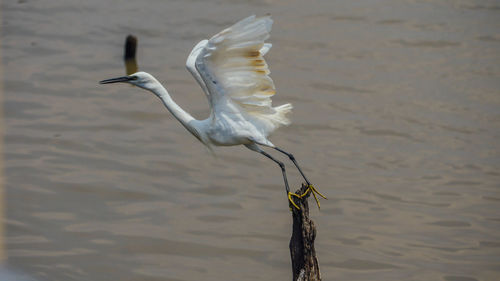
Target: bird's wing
pixel 234 71
pixel 191 67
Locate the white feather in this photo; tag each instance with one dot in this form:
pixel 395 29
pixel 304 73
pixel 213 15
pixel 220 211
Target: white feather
pixel 236 76
pixel 231 70
pixel 190 64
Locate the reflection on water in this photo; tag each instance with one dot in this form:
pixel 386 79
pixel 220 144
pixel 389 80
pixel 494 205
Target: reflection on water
pixel 396 120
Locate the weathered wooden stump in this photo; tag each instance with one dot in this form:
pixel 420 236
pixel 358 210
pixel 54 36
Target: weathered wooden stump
pixel 305 265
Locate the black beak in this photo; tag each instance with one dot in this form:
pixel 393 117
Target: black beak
pixel 116 80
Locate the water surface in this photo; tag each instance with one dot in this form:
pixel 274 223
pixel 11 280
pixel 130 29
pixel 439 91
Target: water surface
pixel 396 120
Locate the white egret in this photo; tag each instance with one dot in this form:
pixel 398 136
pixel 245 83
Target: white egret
pixel 232 72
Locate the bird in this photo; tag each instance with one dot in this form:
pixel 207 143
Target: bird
pixel 231 70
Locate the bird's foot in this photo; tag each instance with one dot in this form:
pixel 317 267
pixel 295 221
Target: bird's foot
pixel 314 191
pixel 310 188
pixel 290 194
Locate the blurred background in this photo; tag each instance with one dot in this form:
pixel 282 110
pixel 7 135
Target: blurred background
pixel 396 119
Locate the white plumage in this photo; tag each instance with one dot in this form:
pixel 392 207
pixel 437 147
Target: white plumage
pixel 231 70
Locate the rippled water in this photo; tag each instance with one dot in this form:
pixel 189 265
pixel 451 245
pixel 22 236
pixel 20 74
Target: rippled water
pixel 396 120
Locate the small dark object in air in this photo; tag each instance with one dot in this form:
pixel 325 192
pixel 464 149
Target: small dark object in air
pixel 129 55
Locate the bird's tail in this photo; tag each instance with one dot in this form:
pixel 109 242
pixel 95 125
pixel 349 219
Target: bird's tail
pixel 280 117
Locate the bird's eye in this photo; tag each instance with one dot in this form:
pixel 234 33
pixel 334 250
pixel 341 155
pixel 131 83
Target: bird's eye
pixel 133 78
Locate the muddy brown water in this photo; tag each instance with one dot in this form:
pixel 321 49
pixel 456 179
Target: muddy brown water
pixel 396 120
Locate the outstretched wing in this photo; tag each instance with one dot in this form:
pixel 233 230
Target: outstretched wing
pixel 233 69
pixel 191 67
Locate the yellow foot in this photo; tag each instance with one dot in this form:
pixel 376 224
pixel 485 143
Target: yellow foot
pixel 314 191
pixel 291 200
pixel 310 188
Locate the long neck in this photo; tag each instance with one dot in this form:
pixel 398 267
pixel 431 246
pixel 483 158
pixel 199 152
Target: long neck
pixel 180 114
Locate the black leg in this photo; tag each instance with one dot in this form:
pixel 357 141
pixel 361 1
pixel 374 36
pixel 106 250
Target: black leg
pixel 294 162
pixel 282 166
pixel 312 189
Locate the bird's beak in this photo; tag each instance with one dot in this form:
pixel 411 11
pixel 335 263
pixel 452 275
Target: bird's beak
pixel 116 80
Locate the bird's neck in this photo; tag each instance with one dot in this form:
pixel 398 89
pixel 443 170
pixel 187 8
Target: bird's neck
pixel 188 121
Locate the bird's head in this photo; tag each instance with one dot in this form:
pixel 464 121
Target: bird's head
pixel 139 79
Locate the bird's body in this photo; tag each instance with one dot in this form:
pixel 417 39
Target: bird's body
pixel 232 72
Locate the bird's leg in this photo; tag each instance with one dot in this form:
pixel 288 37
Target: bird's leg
pixel 311 188
pixel 294 162
pixel 282 166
